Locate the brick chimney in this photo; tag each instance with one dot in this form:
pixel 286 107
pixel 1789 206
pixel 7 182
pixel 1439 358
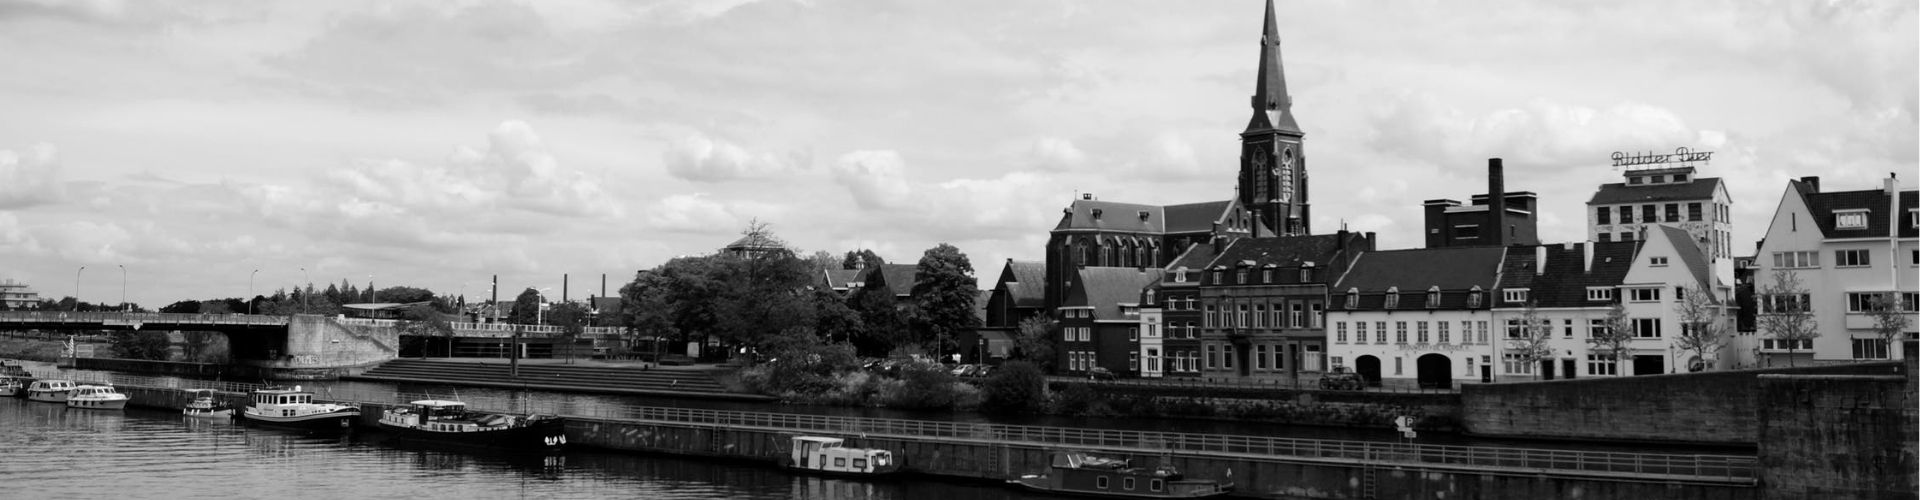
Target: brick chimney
pixel 1812 182
pixel 1496 203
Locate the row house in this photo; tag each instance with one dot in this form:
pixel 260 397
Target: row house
pixel 1420 314
pixel 1851 250
pixel 1100 320
pixel 1262 301
pixel 1170 317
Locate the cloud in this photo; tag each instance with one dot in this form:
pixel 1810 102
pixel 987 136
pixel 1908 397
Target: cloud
pixel 1053 153
pixel 1417 125
pixel 690 213
pixel 30 179
pixel 700 158
pixel 875 177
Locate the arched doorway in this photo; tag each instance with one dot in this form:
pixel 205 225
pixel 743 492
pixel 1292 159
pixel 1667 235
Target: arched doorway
pixel 1433 371
pixel 1369 368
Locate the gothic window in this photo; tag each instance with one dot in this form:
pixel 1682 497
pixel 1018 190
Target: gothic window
pixel 1285 175
pixel 1259 175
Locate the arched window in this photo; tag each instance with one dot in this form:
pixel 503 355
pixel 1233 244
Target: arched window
pixel 1473 297
pixel 1433 297
pixel 1393 297
pixel 1353 298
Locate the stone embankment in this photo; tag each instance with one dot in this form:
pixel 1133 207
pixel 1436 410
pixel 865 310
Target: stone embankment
pixel 630 379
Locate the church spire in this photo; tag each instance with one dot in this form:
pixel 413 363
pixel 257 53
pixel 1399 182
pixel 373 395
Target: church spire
pixel 1272 107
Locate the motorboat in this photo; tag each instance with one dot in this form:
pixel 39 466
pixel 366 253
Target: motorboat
pixel 439 421
pixel 293 407
pixel 50 390
pixel 14 380
pixel 204 405
pixel 1085 473
pixel 830 455
pixel 96 397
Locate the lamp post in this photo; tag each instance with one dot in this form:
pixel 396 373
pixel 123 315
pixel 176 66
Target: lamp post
pixel 372 293
pixel 123 289
pixel 540 308
pixel 305 293
pixel 76 288
pixel 250 277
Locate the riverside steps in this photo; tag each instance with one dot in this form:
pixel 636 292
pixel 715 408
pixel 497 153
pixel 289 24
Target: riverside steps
pixel 550 375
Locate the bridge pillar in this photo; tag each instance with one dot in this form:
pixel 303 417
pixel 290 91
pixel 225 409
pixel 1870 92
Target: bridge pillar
pixel 321 347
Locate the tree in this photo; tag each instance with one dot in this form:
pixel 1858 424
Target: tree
pixel 944 290
pixel 1786 312
pixel 1035 343
pixel 833 319
pixel 526 308
pixel 862 258
pixel 404 294
pixel 182 307
pixel 141 344
pixel 424 322
pixel 1532 342
pixel 1890 320
pixel 1702 324
pixel 1016 387
pixel 764 293
pixel 1615 339
pixel 571 317
pixel 197 346
pixel 882 321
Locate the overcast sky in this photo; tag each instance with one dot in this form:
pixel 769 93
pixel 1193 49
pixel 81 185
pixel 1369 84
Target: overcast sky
pixel 432 144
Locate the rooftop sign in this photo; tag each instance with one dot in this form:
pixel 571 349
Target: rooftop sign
pixel 1681 156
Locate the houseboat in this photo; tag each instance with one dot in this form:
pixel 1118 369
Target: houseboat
pixel 1082 473
pixel 830 455
pixel 14 380
pixel 205 406
pixel 96 397
pixel 50 390
pixel 437 421
pixel 280 406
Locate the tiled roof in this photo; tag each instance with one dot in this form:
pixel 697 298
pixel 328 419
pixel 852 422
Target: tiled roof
pixel 1283 251
pixel 1565 282
pixel 897 277
pixel 1690 255
pixel 1196 217
pixel 1823 205
pixel 839 278
pixel 1458 268
pixel 1701 188
pixel 1105 288
pixel 1113 216
pixel 1195 257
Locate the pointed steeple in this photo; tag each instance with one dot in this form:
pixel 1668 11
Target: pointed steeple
pixel 1272 107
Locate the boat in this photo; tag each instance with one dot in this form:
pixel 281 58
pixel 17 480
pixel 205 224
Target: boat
pixel 96 397
pixel 830 455
pixel 50 390
pixel 14 380
pixel 204 405
pixel 439 421
pixel 284 407
pixel 1088 474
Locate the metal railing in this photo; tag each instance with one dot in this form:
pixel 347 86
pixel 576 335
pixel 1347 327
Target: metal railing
pixel 123 318
pixel 1308 382
pixel 1728 468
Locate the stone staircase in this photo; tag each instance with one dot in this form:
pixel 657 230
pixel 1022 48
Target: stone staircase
pixel 559 378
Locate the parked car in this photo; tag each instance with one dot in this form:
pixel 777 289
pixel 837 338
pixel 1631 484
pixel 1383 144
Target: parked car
pixel 1339 379
pixel 1100 373
pixel 981 371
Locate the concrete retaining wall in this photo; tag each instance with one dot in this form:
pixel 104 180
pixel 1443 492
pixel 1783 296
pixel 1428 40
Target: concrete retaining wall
pixel 320 348
pixel 1712 407
pixel 176 368
pixel 1838 436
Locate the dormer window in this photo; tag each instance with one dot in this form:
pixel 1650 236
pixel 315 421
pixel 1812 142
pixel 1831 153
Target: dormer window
pixel 1393 298
pixel 1599 293
pixel 1266 276
pixel 1240 276
pixel 1657 261
pixel 1353 298
pixel 1180 275
pixel 1473 297
pixel 1433 297
pixel 1149 297
pixel 1515 295
pixel 1850 219
pixel 1143 215
pixel 1096 214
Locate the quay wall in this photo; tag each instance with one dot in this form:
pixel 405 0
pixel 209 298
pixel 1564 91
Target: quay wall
pixel 1720 407
pixel 174 368
pixel 1864 450
pixel 1432 411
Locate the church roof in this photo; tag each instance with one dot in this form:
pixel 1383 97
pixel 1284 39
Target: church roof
pixel 1272 106
pixel 1138 218
pixel 1196 217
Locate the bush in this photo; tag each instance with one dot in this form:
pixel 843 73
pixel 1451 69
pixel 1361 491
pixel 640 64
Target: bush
pixel 1080 400
pixel 921 386
pixel 1014 387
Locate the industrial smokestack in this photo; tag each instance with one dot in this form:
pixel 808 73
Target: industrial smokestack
pixel 1496 202
pixel 563 288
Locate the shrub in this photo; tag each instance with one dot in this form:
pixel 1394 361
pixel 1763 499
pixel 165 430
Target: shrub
pixel 921 386
pixel 1014 387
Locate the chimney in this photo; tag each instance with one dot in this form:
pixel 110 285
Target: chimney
pixel 1496 202
pixel 1086 196
pixel 563 288
pixel 1340 240
pixel 1812 182
pixel 1588 263
pixel 1892 183
pixel 1540 259
pixel 1371 241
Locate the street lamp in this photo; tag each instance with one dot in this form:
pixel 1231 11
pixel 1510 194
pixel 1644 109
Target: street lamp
pixel 256 272
pixel 76 287
pixel 540 308
pixel 123 289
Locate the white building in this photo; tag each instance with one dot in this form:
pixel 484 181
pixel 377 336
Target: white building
pixel 1415 316
pixel 16 295
pixel 1672 197
pixel 1847 248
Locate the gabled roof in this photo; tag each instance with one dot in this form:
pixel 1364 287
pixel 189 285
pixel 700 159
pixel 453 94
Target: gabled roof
pixel 1823 205
pixel 1195 258
pixel 1113 216
pixel 1455 268
pixel 1027 284
pixel 1196 217
pixel 1565 282
pixel 1690 255
pixel 897 277
pixel 839 279
pixel 1105 288
pixel 1701 188
pixel 1281 251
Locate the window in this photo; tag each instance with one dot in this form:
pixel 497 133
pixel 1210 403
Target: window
pixel 1643 294
pixel 1693 212
pixel 1420 331
pixel 1133 333
pixel 1861 302
pixel 1657 262
pixel 1796 259
pixel 1626 215
pixel 1379 332
pixel 1359 332
pixel 1266 276
pixel 1213 317
pixel 1066 334
pixel 839 461
pixel 1483 333
pixel 1240 276
pixel 1567 326
pixel 1393 298
pixel 1296 315
pixel 1603 215
pixel 1353 298
pixel 1850 219
pixel 1306 275
pixel 1649 213
pixel 1851 258
pixel 1154 485
pixel 1673 212
pixel 1339 361
pixel 1786 303
pixel 1180 275
pixel 1869 348
pixel 1133 361
pixel 1399 366
pixel 1515 365
pixel 1782 345
pixel 1441 329
pixel 1516 329
pixel 1626 236
pixel 1473 297
pixel 1606 237
pixel 1602 365
pixel 1399 332
pixel 1219 277
pixel 1515 295
pixel 1315 313
pixel 1635 180
pixel 860 463
pixel 1433 297
pixel 1340 332
pixel 1679 177
pixel 1646 328
pixel 1240 318
pixel 1596 328
pixel 1213 356
pixel 1599 293
pixel 1260 316
pixel 1126 484
pixel 1260 356
pixel 1466 231
pixel 1086 333
pixel 1100 482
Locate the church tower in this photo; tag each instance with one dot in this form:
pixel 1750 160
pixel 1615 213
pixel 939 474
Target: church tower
pixel 1273 167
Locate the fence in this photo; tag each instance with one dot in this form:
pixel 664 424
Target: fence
pixel 1305 383
pixel 124 318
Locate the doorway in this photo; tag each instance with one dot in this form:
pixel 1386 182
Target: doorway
pixel 1434 371
pixel 1369 368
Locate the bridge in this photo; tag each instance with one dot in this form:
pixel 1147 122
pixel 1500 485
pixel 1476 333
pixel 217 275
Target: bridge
pixel 297 346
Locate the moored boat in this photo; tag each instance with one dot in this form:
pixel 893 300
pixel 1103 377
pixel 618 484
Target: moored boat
pixel 50 390
pixel 1083 473
pixel 205 406
pixel 438 421
pixel 830 455
pixel 96 397
pixel 280 406
pixel 14 380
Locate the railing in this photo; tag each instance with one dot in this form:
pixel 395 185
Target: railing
pixel 121 318
pixel 1308 382
pixel 1728 468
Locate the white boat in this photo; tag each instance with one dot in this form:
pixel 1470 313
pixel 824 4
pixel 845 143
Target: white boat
pixel 97 397
pixel 295 408
pixel 829 455
pixel 50 390
pixel 205 406
pixel 11 387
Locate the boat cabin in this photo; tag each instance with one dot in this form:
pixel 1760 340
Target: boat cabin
pixel 93 390
pixel 282 396
pixel 446 416
pixel 52 385
pixel 829 454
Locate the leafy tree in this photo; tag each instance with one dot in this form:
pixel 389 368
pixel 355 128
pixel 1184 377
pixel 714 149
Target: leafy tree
pixel 425 322
pixel 645 308
pixel 1702 324
pixel 182 307
pixel 1787 312
pixel 764 292
pixel 572 318
pixel 819 262
pixel 1890 320
pixel 1615 339
pixel 526 308
pixel 219 306
pixel 1533 342
pixel 944 290
pixel 405 294
pixel 833 319
pixel 881 319
pixel 1035 343
pixel 1015 387
pixel 201 347
pixel 143 344
pixel 862 258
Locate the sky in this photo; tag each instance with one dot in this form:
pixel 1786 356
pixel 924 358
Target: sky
pixel 201 149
